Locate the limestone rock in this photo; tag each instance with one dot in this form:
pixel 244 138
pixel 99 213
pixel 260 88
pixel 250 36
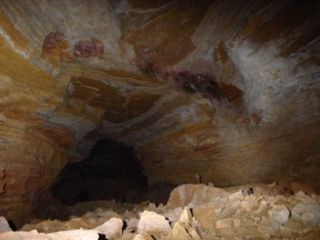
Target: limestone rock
pixel 132 224
pixel 151 222
pixel 143 237
pixel 112 229
pixel 186 216
pixel 308 212
pixel 273 216
pixel 196 194
pixel 74 235
pixel 208 91
pixel 4 225
pixel 280 213
pixel 236 196
pixel 64 235
pixel 24 236
pixel 228 223
pixel 180 232
pixel 186 227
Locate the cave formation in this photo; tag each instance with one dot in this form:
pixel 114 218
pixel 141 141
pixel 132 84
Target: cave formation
pixel 111 104
pixel 110 165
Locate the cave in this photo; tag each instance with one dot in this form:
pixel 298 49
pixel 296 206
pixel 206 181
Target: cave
pixel 111 171
pixel 165 119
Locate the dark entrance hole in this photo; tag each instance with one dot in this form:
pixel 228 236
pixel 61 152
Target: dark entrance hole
pixel 111 171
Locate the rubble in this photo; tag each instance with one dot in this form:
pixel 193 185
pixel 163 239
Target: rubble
pixel 193 212
pixel 153 223
pixel 112 229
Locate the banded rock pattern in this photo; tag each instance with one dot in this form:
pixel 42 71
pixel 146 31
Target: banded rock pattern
pixel 225 90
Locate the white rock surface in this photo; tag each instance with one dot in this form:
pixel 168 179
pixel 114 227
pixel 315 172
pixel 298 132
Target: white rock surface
pixel 63 235
pixel 185 216
pixel 74 235
pixel 151 222
pixel 308 213
pixel 112 229
pixel 279 213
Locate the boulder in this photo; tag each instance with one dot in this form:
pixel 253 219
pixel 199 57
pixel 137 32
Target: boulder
pixel 4 225
pixel 112 229
pixel 151 222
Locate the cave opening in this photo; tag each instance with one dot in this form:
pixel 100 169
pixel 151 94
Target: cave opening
pixel 215 105
pixel 111 176
pixel 111 171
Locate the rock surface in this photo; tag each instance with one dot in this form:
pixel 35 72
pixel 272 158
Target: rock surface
pixel 65 235
pixel 152 223
pixel 112 229
pixel 222 91
pixel 217 215
pixel 4 225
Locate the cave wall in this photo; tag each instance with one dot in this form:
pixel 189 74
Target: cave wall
pixel 228 90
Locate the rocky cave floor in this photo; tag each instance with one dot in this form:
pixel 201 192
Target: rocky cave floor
pixel 193 212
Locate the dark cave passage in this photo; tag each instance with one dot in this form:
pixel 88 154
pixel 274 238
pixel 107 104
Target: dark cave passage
pixel 215 106
pixel 111 171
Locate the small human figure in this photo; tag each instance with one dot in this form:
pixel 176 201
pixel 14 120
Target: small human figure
pixel 199 179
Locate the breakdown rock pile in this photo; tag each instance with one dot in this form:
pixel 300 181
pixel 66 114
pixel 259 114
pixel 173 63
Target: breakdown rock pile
pixel 193 212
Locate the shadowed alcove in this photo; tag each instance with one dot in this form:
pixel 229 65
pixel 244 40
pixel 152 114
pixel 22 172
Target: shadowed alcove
pixel 111 171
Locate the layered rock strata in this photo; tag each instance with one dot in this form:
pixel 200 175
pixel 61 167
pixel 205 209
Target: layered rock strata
pixel 224 90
